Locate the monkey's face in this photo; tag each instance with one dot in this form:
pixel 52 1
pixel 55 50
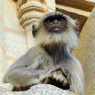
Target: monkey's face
pixel 56 27
pixel 55 23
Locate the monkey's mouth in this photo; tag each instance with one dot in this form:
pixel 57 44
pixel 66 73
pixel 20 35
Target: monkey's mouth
pixel 55 30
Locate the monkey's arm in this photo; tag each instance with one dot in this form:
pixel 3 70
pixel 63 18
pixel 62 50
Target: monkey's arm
pixel 29 68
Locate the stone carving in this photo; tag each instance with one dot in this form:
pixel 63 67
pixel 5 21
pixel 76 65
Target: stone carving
pixel 29 11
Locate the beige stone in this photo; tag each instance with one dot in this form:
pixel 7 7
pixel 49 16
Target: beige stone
pixel 41 89
pixel 86 53
pixel 12 36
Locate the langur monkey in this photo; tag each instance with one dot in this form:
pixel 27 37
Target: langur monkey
pixel 50 61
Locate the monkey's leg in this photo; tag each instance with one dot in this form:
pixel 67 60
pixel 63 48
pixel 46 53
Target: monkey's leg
pixel 59 77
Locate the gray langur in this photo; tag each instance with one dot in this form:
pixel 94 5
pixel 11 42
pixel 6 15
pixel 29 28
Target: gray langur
pixel 50 61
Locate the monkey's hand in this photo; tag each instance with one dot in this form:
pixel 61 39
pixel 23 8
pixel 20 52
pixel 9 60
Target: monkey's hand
pixel 58 76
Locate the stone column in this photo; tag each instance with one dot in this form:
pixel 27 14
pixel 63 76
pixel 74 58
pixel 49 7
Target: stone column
pixel 29 11
pixel 2 40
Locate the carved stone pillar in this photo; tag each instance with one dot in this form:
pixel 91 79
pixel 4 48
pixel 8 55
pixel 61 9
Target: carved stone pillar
pixel 29 11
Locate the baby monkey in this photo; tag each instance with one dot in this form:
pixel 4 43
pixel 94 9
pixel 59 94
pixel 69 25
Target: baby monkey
pixel 50 61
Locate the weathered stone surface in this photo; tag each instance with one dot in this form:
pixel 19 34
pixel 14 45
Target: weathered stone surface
pixel 41 89
pixel 86 53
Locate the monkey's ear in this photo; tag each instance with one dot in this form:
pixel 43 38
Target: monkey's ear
pixel 77 26
pixel 33 30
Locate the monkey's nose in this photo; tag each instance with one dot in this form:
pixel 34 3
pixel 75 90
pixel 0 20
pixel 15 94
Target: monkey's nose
pixel 55 22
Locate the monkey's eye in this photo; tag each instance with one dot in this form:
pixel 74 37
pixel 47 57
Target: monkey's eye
pixel 54 17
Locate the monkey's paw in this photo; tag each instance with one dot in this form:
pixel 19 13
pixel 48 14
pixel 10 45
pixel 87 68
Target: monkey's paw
pixel 59 77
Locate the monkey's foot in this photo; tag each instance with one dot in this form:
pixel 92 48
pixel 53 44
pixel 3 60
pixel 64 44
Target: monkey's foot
pixel 21 88
pixel 58 77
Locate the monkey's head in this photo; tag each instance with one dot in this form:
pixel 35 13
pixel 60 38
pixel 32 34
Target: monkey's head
pixel 54 28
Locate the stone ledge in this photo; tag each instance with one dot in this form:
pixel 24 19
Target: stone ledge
pixel 41 89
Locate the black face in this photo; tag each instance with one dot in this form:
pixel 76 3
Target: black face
pixel 55 23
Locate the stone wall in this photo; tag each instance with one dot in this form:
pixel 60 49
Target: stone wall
pixel 85 52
